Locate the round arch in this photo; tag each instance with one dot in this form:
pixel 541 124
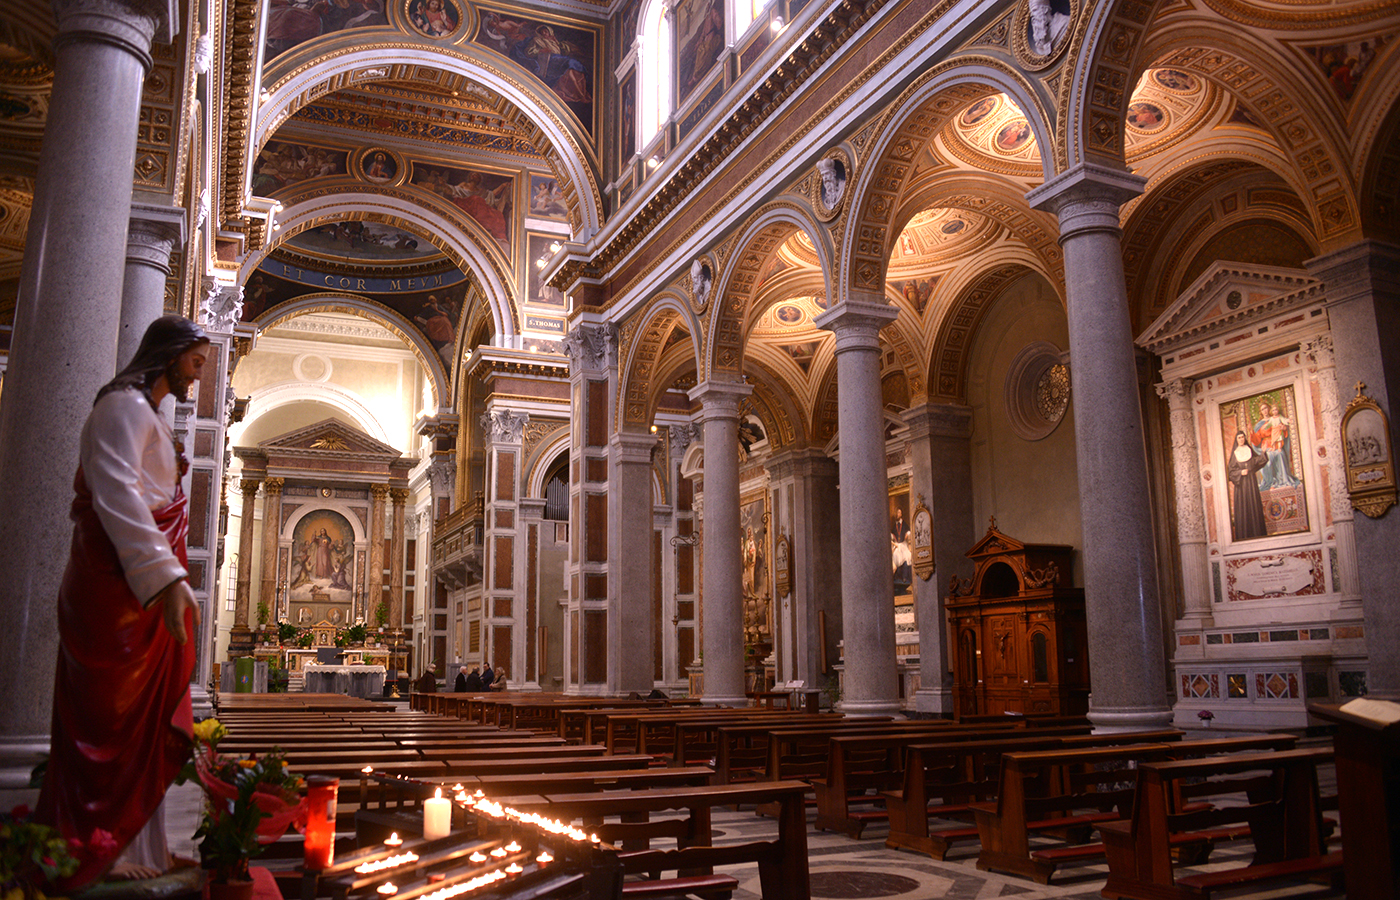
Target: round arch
pixel 484 268
pixel 543 461
pixel 339 506
pixel 637 394
pixel 867 237
pixel 734 288
pixel 309 75
pixel 948 360
pixel 346 401
pixel 438 376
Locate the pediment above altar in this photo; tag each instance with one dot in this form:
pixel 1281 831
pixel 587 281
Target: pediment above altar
pixel 1227 298
pixel 329 448
pixel 330 437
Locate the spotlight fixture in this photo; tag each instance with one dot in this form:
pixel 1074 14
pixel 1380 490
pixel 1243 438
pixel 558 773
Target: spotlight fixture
pixel 777 23
pixel 653 162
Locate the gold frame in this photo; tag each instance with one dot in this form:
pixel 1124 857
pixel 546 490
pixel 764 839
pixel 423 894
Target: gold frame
pixel 922 553
pixel 1368 454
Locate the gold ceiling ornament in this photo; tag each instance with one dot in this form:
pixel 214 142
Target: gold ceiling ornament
pixel 329 443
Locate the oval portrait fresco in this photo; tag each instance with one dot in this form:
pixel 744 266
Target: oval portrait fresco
pixel 1014 135
pixel 789 315
pixel 979 110
pixel 379 166
pixel 1147 117
pixel 434 18
pixel 1175 80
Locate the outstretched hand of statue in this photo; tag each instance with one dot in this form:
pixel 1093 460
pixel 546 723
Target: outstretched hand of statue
pixel 174 599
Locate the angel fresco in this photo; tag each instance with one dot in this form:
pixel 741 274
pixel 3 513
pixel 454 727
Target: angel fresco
pixel 560 57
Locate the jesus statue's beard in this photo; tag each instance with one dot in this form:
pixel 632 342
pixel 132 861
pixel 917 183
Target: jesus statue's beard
pixel 179 384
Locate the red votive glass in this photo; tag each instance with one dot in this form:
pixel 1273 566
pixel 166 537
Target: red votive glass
pixel 320 821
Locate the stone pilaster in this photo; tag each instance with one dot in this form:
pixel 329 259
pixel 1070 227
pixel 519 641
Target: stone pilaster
pixel 152 233
pixel 65 326
pixel 272 527
pixel 1319 352
pixel 1190 514
pixel 722 588
pixel 867 583
pixel 398 497
pixel 1363 306
pixel 630 624
pixel 503 431
pixel 940 436
pixel 1126 657
pixel 240 640
pixel 374 586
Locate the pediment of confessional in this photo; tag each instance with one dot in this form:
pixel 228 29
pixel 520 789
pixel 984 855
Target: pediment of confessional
pixel 328 446
pixel 1225 301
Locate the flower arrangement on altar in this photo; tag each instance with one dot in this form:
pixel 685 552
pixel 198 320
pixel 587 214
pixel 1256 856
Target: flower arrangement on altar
pixel 33 856
pixel 249 801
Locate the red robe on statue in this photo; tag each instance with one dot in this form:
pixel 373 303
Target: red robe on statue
pixel 122 723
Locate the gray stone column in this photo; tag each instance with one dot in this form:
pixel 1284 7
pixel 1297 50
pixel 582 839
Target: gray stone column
pixel 64 345
pixel 1363 306
pixel 1190 514
pixel 812 522
pixel 399 497
pixel 1126 657
pixel 378 495
pixel 1319 352
pixel 867 583
pixel 630 626
pixel 722 591
pixel 272 522
pixel 152 233
pixel 240 640
pixel 940 442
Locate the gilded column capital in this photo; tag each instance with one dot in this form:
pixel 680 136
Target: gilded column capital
pixel 273 486
pixel 249 487
pixel 399 495
pixel 380 492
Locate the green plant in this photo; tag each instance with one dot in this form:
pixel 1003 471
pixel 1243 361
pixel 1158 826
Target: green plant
pixel 277 679
pixel 286 631
pixel 381 614
pixel 303 639
pixel 248 801
pixel 355 634
pixel 33 856
pixel 264 612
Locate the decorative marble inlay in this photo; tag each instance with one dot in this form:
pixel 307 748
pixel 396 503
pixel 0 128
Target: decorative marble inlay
pixel 1353 684
pixel 1200 686
pixel 1276 685
pixel 1237 685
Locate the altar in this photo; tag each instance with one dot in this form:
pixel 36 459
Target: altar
pixel 354 680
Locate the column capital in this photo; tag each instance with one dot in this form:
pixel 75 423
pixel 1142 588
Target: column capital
pixel 630 447
pixel 130 24
pixel 249 486
pixel 502 426
pixel 152 232
pixel 399 496
pixel 221 306
pixel 1087 197
pixel 379 492
pixel 1318 351
pixel 442 474
pixel 939 420
pixel 804 462
pixel 1176 391
pixel 857 323
pixel 1359 270
pixel 272 487
pixel 682 436
pixel 719 399
pixel 591 348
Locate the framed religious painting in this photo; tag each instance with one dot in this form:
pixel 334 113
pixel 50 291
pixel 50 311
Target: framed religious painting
pixel 1265 479
pixel 782 566
pixel 1370 458
pixel 901 556
pixel 921 540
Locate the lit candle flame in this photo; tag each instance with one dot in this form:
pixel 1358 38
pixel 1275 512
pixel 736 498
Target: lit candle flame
pixel 478 858
pixel 544 858
pixel 514 869
pixel 386 889
pixel 393 840
pixel 368 770
pixel 388 862
pixel 512 847
pixel 499 853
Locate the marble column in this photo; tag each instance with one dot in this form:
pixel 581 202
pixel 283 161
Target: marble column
pixel 65 327
pixel 1190 515
pixel 1127 667
pixel 810 517
pixel 153 231
pixel 1363 306
pixel 399 497
pixel 630 626
pixel 722 591
pixel 378 495
pixel 272 527
pixel 1319 352
pixel 940 443
pixel 867 583
pixel 240 639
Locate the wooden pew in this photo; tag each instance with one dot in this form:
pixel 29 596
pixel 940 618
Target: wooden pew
pixel 858 764
pixel 697 741
pixel 1071 791
pixel 1281 809
pixel 942 780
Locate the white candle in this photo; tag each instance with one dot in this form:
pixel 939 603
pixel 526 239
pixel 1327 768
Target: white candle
pixel 437 816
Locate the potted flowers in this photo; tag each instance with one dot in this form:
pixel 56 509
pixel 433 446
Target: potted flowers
pixel 34 856
pixel 248 802
pixel 1205 716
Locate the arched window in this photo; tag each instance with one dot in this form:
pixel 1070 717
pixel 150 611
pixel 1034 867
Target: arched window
pixel 745 12
pixel 654 86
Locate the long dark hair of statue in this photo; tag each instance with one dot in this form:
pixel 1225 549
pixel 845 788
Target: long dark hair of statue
pixel 165 339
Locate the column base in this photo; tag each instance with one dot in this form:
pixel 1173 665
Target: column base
pixel 938 701
pixel 1112 721
pixel 857 709
pixel 201 702
pixel 19 755
pixel 240 642
pixel 739 701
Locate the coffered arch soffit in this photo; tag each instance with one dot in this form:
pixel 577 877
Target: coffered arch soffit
pixel 365 308
pixel 741 271
pixel 1184 208
pixel 484 266
pixel 772 401
pixel 948 361
pixel 1380 196
pixel 640 352
pixel 868 233
pixel 1290 101
pixel 306 74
